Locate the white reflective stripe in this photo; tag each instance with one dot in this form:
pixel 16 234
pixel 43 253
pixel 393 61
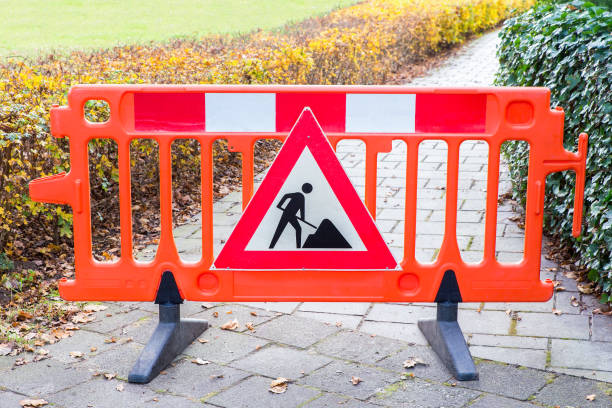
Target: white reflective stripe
pixel 380 113
pixel 240 112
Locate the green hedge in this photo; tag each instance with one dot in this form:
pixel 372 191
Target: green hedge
pixel 568 48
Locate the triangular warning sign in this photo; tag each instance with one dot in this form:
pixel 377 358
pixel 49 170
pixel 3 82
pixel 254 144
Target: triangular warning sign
pixel 306 213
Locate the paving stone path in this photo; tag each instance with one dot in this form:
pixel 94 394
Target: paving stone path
pixel 535 359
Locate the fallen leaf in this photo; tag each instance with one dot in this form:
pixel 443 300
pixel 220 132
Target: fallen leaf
pixel 586 289
pixel 557 312
pixel 119 387
pixel 574 302
pixel 229 312
pixel 5 348
pixel 23 315
pixel 249 325
pixel 111 340
pixel 590 397
pixel 413 362
pixel 215 314
pixel 76 354
pixel 83 317
pixel 199 361
pixel 509 312
pixel 207 305
pixel 203 341
pixel 216 376
pixel 93 349
pixel 109 376
pixel 338 324
pixel 355 380
pixel 42 351
pixel 231 325
pixel 61 334
pixel 92 307
pixel 560 288
pixel 279 385
pixel 26 403
pixel 253 313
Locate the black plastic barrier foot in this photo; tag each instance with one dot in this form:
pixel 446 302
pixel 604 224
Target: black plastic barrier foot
pixel 170 337
pixel 445 337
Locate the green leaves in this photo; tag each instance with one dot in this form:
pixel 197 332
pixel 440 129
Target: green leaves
pixel 568 48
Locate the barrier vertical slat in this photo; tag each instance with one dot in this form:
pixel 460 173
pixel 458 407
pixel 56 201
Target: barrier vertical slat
pixel 247 175
pixel 412 169
pixel 370 179
pixel 125 199
pixel 166 241
pixel 491 206
pixel 206 175
pixel 82 226
pixel 450 249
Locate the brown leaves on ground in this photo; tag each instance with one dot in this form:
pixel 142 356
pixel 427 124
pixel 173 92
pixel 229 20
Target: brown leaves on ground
pixel 83 317
pixel 249 325
pixel 231 325
pixel 413 362
pixel 33 403
pixel 199 361
pixel 591 397
pixel 120 387
pixel 557 312
pixel 76 354
pixel 279 385
pixel 355 380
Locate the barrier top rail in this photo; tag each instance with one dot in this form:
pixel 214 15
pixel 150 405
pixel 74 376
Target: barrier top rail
pixel 377 115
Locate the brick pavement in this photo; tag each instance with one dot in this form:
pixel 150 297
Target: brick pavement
pixel 534 361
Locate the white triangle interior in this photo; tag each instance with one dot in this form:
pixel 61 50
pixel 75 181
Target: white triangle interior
pixel 321 203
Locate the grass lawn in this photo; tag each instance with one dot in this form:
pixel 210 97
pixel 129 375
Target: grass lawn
pixel 28 27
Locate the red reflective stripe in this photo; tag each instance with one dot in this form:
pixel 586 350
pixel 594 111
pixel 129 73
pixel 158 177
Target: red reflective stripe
pixel 328 108
pixel 450 113
pixel 169 111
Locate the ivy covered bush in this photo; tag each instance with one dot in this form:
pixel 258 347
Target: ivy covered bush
pixel 567 47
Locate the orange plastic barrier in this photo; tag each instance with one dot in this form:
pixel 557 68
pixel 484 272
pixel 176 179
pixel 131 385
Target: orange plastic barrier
pixel 376 115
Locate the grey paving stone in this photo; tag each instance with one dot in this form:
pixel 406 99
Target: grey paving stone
pixel 387 312
pixel 295 331
pixel 545 307
pixel 81 341
pixel 196 381
pixel 7 362
pixel 187 308
pixel 276 361
pixel 416 393
pixel 253 393
pixel 10 399
pixel 175 401
pixel 493 401
pixel 523 357
pixel 118 360
pixel 42 378
pixel 581 354
pixel 240 313
pixel 409 333
pixel 550 325
pixel 282 307
pixel 508 380
pixel 336 377
pixel 101 393
pixel 352 308
pixel 359 347
pixel 491 340
pixel 563 302
pixel 329 400
pixel 602 328
pixel 338 320
pixel 485 322
pixel 572 391
pixel 117 320
pixel 223 346
pixel 433 370
pixel 140 330
pixel 604 376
